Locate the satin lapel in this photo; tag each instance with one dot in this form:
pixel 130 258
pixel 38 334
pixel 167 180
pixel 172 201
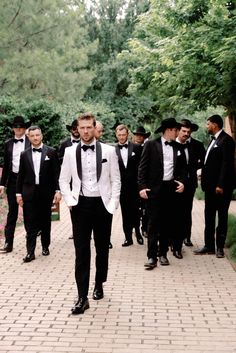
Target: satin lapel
pixel 130 150
pixel 120 160
pixel 98 159
pixel 160 151
pixel 43 156
pixel 30 158
pixel 78 160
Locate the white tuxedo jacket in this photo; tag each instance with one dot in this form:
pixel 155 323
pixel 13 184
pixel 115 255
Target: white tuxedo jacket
pixel 108 175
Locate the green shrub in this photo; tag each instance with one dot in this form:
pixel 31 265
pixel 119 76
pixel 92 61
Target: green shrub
pixel 231 234
pixel 232 252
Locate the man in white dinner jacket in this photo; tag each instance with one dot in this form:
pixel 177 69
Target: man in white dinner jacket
pixel 93 197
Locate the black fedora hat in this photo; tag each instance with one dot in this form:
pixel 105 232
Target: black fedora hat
pixel 73 125
pixel 187 123
pixel 18 121
pixel 141 131
pixel 169 123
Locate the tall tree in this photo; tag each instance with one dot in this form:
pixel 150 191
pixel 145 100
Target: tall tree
pixel 183 56
pixel 44 49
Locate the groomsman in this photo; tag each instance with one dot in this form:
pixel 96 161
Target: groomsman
pixel 218 181
pixel 92 197
pixel 12 150
pixel 161 176
pixel 37 188
pixel 128 157
pixel 72 140
pixel 194 152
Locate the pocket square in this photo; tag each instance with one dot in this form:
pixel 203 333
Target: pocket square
pixel 178 153
pixel 104 160
pixel 215 145
pixel 133 154
pixel 47 159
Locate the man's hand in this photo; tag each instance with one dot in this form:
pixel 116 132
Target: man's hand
pixel 19 200
pixel 143 193
pixel 1 190
pixel 180 186
pixel 57 197
pixel 219 190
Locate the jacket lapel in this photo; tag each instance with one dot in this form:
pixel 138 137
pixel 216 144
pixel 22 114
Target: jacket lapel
pixel 98 159
pixel 120 160
pixel 78 160
pixel 43 156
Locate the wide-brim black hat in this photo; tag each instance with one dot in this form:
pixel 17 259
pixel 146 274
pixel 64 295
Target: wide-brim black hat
pixel 141 131
pixel 73 125
pixel 187 123
pixel 169 123
pixel 19 122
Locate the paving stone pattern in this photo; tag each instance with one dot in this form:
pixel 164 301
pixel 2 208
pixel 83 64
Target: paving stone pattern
pixel 189 306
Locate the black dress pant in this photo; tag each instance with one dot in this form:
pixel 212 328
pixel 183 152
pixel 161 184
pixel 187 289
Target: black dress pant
pixel 37 217
pixel 90 215
pixel 216 204
pixel 129 203
pixel 163 221
pixel 13 208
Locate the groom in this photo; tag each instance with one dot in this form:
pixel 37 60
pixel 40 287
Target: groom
pixel 92 198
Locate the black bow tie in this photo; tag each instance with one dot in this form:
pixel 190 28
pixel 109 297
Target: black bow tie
pixel 121 146
pixel 18 140
pixel 168 143
pixel 75 141
pixel 87 147
pixel 37 150
pixel 213 137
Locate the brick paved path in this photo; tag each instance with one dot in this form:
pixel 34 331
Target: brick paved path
pixel 189 306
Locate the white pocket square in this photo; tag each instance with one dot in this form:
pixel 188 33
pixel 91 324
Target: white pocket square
pixel 47 159
pixel 178 153
pixel 133 153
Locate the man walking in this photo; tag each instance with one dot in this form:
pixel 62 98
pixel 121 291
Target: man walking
pixel 37 188
pixel 162 173
pixel 12 150
pixel 93 197
pixel 73 140
pixel 218 182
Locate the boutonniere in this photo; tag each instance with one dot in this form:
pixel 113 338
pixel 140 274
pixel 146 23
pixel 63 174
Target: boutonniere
pixel 133 154
pixel 47 158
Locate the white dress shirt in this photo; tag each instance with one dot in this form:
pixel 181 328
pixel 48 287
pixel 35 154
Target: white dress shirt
pixel 36 156
pixel 17 149
pixel 89 185
pixel 168 161
pixel 124 153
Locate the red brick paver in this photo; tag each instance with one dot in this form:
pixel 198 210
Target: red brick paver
pixel 189 306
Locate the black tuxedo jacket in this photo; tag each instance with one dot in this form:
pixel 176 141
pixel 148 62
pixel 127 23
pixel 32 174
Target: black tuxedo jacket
pixel 62 147
pixel 8 151
pixel 48 174
pixel 218 170
pixel 129 174
pixel 151 168
pixel 196 152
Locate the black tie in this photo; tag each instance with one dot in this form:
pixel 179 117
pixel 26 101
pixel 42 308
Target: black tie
pixel 213 138
pixel 168 143
pixel 18 140
pixel 121 146
pixel 37 150
pixel 87 147
pixel 75 141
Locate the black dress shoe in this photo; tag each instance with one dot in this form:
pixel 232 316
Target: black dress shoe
pixel 110 245
pixel 7 247
pixel 140 239
pixel 127 243
pixel 98 292
pixel 204 251
pixel 164 261
pixel 29 258
pixel 220 253
pixel 80 306
pixel 45 252
pixel 187 242
pixel 178 254
pixel 150 264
